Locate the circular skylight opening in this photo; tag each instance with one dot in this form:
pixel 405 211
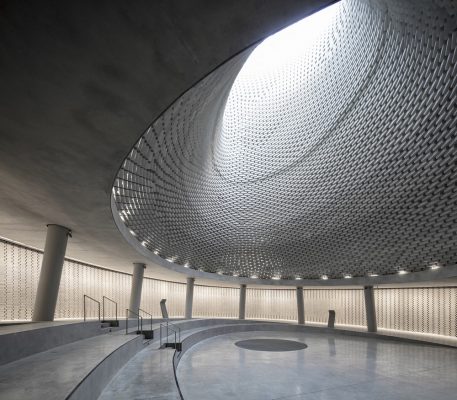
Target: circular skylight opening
pixel 264 114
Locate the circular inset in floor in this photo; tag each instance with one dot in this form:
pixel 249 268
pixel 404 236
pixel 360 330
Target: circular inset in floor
pixel 271 345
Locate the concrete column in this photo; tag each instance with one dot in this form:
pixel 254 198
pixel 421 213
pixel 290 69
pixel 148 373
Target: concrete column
pixel 242 312
pixel 300 305
pixel 370 309
pixel 137 285
pixel 189 297
pixel 51 271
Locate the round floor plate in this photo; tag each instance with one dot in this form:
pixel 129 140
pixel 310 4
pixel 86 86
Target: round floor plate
pixel 271 345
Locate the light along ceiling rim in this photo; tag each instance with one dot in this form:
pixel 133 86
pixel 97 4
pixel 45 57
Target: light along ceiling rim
pixel 429 274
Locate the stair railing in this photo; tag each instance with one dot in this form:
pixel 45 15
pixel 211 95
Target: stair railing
pixel 139 321
pixel 103 308
pixel 176 327
pixel 168 326
pixel 145 312
pixel 166 337
pixel 96 301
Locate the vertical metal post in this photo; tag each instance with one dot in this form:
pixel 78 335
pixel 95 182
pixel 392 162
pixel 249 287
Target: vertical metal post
pixel 51 272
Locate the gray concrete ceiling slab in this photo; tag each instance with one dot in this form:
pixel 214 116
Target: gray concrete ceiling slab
pixel 79 83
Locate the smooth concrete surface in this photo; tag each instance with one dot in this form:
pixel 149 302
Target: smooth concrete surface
pixel 50 273
pixel 91 363
pixel 137 380
pixel 370 308
pixel 6 329
pixel 332 367
pixel 60 372
pixel 137 286
pixel 415 336
pixel 19 341
pixel 300 305
pixel 271 345
pixel 148 375
pixel 189 297
pixel 77 93
pixel 95 382
pixel 242 308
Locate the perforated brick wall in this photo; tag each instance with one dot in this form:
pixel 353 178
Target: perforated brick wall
pixel 341 160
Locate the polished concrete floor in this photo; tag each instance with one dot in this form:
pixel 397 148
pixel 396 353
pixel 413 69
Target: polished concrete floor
pixel 332 367
pixel 148 375
pixel 53 374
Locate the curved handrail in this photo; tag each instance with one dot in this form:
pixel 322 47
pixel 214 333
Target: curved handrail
pixel 103 308
pixel 147 314
pixel 90 298
pixel 140 320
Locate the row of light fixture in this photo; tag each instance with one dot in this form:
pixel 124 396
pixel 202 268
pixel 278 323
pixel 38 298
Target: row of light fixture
pixel 434 266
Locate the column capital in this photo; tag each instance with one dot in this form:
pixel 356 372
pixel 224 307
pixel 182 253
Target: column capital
pixel 60 227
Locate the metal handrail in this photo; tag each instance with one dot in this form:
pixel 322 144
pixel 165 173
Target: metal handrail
pixel 91 298
pixel 103 308
pixel 176 330
pixel 140 321
pixel 171 329
pixel 147 314
pixel 176 326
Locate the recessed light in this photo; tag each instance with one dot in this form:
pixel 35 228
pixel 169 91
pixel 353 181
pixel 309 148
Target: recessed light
pixel 169 259
pixel 220 273
pixel 133 233
pixel 402 272
pixel 297 278
pixel 236 274
pixel 276 277
pixel 435 266
pixel 324 277
pixel 186 265
pixel 254 276
pixel 156 252
pixel 144 243
pixel 347 276
pixel 373 275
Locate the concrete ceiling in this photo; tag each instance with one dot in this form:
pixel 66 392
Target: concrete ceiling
pixel 81 81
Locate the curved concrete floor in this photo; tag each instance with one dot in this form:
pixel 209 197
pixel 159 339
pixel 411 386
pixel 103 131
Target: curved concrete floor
pixel 332 367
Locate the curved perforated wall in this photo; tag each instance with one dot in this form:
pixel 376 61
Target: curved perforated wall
pixel 340 160
pixel 431 310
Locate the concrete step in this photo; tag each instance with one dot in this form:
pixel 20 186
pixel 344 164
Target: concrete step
pixel 114 323
pixel 79 370
pixel 24 340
